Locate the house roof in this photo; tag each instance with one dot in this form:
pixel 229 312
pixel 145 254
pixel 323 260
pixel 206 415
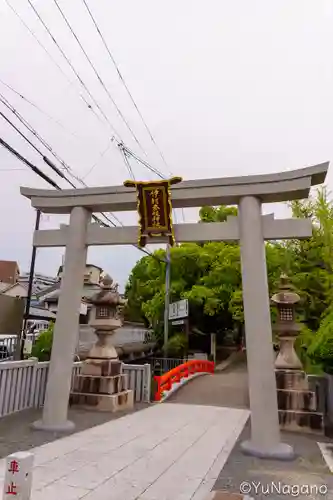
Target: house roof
pixel 87 265
pixel 9 271
pixel 53 294
pixel 40 313
pixel 48 289
pixel 4 286
pixel 9 286
pixel 34 291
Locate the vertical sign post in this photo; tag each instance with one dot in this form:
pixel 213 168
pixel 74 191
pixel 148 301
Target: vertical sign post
pixel 213 346
pixel 18 477
pixel 154 207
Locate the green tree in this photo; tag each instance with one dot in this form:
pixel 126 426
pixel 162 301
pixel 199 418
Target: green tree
pixel 320 350
pixel 43 346
pixel 208 275
pixel 311 261
pixel 217 214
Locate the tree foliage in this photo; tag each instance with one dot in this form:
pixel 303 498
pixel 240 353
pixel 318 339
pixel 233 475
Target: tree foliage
pixel 209 274
pixel 43 346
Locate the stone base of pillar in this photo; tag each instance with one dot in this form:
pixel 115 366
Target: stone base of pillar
pixel 281 451
pixel 297 404
pixel 102 387
pixel 64 427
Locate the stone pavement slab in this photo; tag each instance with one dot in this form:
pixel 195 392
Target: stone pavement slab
pixel 306 477
pixel 165 452
pixel 16 432
pixel 228 389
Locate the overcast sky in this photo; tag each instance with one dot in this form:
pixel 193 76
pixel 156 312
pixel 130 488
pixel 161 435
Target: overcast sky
pixel 227 88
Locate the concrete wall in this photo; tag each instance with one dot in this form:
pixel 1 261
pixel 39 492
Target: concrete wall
pixel 94 274
pixel 11 314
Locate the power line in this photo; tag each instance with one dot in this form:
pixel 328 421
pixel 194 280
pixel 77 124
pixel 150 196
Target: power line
pixel 32 33
pixel 128 151
pixel 29 164
pixel 67 78
pixel 39 172
pixel 45 158
pixel 98 76
pixel 21 133
pixel 128 165
pixel 34 105
pixel 128 92
pixel 46 178
pixel 125 84
pixel 98 160
pixel 72 67
pixel 34 132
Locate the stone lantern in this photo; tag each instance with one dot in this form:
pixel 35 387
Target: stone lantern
pixel 286 326
pixel 101 385
pixel 297 403
pixel 106 316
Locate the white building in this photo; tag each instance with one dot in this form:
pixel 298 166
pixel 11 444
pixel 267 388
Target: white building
pixel 49 297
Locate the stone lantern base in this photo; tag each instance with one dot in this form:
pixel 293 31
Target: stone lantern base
pixel 102 386
pixel 297 404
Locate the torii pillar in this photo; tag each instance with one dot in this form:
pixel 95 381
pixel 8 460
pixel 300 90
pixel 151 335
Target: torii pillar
pixel 250 227
pixel 66 327
pixel 265 429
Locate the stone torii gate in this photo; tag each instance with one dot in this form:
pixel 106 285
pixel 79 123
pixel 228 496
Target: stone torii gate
pixel 250 227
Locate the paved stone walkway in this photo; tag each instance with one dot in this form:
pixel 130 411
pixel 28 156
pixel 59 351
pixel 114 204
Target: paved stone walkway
pixel 228 388
pixel 165 452
pixel 16 433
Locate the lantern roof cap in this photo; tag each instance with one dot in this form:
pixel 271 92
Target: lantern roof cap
pixel 108 295
pixel 285 295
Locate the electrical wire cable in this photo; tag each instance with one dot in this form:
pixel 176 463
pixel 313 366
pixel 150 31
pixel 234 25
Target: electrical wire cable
pixel 97 161
pixel 32 33
pixel 38 108
pixel 122 79
pixel 49 162
pixel 35 169
pixel 101 81
pixel 128 166
pixel 34 132
pixel 50 181
pixel 128 151
pixel 77 76
pixel 114 131
pixel 125 84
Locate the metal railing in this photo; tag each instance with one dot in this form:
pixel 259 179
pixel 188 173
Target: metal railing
pixel 8 345
pixel 163 365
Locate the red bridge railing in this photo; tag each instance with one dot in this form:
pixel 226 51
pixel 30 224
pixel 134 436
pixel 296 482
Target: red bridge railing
pixel 165 381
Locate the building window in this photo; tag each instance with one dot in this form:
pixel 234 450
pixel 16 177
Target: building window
pixel 102 312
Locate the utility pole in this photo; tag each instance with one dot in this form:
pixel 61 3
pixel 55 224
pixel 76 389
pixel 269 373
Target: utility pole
pixel 167 300
pixel 23 333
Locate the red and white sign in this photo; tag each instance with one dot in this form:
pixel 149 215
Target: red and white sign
pixel 18 477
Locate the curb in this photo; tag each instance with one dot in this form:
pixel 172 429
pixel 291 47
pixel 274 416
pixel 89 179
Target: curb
pixel 224 495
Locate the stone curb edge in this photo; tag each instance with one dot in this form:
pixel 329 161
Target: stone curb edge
pixel 224 495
